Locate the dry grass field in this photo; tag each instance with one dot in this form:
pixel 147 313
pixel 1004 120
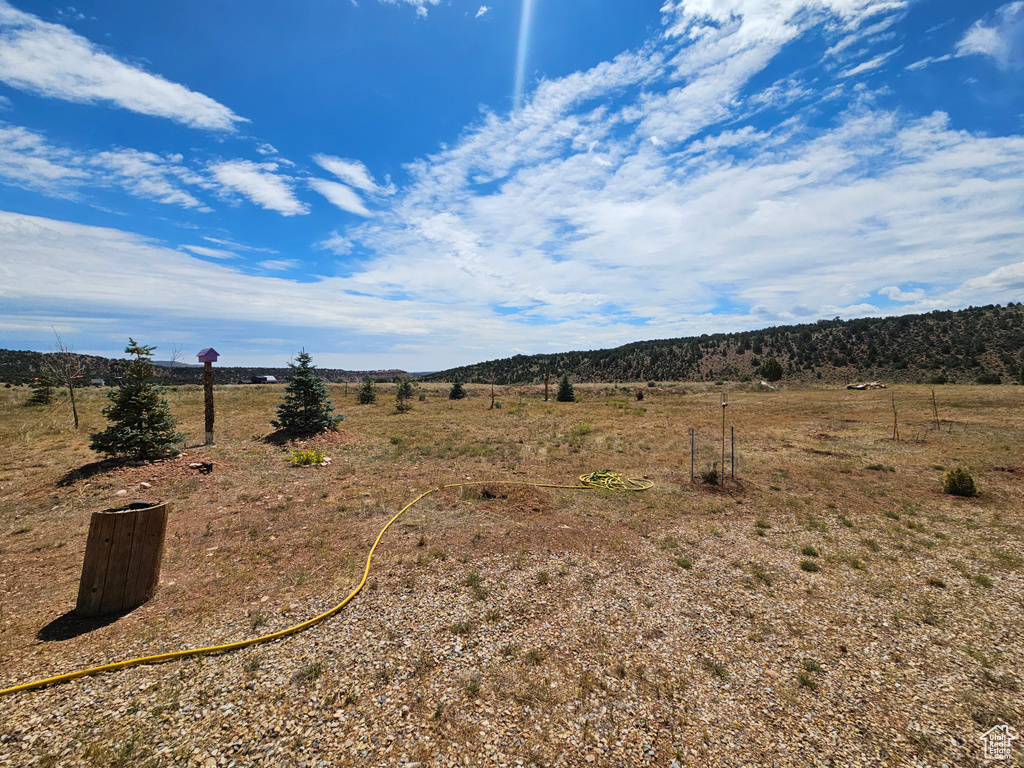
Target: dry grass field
pixel 830 606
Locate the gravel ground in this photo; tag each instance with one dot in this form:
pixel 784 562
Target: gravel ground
pixel 706 646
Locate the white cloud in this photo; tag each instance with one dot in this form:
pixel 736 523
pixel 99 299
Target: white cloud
pixel 51 60
pixel 261 184
pixel 341 196
pixel 897 294
pixel 152 176
pixel 482 10
pixel 236 246
pixel 213 253
pixel 336 244
pixel 29 161
pixel 1002 40
pixel 353 173
pixel 420 5
pixel 871 64
pixel 280 265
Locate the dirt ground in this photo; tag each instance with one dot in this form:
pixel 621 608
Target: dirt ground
pixel 828 605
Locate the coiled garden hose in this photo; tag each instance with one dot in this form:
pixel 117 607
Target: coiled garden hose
pixel 600 479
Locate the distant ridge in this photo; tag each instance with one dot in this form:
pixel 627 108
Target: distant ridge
pixel 977 344
pixel 21 366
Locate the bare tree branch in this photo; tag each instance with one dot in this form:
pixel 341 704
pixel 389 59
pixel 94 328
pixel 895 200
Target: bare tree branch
pixel 64 366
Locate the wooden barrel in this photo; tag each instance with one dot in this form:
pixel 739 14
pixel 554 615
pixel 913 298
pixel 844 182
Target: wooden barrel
pixel 122 558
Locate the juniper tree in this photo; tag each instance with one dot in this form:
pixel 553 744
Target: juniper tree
pixel 771 369
pixel 566 394
pixel 142 425
pixel 306 408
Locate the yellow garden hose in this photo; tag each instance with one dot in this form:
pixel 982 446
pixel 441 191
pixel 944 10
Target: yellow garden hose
pixel 600 479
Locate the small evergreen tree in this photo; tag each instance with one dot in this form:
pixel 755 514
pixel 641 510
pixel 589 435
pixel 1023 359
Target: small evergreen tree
pixel 142 426
pixel 42 390
pixel 457 392
pixel 367 392
pixel 565 391
pixel 306 408
pixel 402 395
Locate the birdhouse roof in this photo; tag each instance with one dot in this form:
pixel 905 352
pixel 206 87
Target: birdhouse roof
pixel 208 355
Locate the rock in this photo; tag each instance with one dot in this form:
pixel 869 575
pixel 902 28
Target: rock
pixel 121 492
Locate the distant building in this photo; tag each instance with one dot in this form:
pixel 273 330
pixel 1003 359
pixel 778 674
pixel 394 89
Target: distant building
pixel 97 383
pixel 264 380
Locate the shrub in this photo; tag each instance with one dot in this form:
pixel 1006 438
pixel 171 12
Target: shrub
pixel 958 482
pixel 565 391
pixel 142 425
pixel 710 477
pixel 306 408
pixel 810 566
pixel 305 458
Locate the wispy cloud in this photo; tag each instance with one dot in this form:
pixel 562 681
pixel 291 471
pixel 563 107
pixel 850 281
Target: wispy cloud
pixel 29 160
pixel 146 174
pixel 1000 37
pixel 280 265
pixel 482 11
pixel 421 6
pixel 52 61
pixel 871 64
pixel 213 253
pixel 353 173
pixel 340 196
pixel 261 183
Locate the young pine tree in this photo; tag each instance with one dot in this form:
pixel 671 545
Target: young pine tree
pixel 402 395
pixel 42 390
pixel 458 391
pixel 142 426
pixel 367 392
pixel 306 408
pixel 566 394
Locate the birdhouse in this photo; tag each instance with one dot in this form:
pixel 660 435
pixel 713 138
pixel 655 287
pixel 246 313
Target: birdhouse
pixel 208 355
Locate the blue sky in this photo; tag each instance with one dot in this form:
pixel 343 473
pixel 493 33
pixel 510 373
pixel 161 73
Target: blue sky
pixel 428 183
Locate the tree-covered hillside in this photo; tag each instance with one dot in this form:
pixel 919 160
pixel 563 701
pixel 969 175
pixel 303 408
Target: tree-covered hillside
pixel 978 344
pixel 20 367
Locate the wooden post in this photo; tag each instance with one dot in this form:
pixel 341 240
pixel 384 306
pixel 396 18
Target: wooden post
pixel 732 450
pixel 208 357
pixel 208 393
pixel 724 403
pixel 545 387
pixel 895 421
pixel 935 411
pixel 691 454
pixel 121 568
